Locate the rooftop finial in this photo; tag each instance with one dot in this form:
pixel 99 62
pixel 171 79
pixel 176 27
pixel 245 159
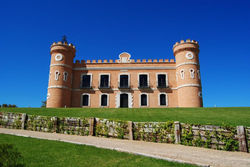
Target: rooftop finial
pixel 64 39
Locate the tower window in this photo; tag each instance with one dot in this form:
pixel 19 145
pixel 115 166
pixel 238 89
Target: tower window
pixel 124 81
pixel 182 72
pixel 191 73
pixel 104 81
pixel 57 73
pixel 65 76
pixel 163 100
pixel 144 100
pixel 85 100
pixel 162 80
pixel 86 81
pixel 104 100
pixel 143 80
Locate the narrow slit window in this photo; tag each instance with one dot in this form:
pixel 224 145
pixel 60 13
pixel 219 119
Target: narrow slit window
pixel 65 76
pixel 57 73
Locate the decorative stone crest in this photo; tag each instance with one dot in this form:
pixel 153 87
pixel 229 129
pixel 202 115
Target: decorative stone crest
pixel 124 58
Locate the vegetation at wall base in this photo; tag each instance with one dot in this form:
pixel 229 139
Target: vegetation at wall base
pixel 232 116
pixel 38 152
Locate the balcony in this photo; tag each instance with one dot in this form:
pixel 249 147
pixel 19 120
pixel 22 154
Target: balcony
pixel 162 86
pixel 104 87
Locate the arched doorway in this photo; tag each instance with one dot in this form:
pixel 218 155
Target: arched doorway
pixel 124 100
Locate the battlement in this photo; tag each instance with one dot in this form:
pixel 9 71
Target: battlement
pixel 60 43
pixel 188 41
pixel 131 61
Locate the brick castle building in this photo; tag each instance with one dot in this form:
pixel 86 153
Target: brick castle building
pixel 125 82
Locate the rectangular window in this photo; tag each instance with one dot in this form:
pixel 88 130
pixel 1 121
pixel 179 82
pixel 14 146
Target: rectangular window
pixel 162 81
pixel 85 100
pixel 104 83
pixel 163 100
pixel 143 81
pixel 144 100
pixel 86 79
pixel 104 100
pixel 124 81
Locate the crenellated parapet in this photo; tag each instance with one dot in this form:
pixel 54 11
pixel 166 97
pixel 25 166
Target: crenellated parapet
pixel 141 61
pixel 63 46
pixel 183 45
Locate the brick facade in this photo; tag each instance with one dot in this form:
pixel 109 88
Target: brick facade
pixel 178 85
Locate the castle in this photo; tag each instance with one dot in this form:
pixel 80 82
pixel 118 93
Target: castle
pixel 125 82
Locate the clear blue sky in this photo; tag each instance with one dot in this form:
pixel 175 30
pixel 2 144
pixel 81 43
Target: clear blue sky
pixel 145 29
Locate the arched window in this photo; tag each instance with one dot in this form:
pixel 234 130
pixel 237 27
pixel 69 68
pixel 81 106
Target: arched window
pixel 163 100
pixel 85 100
pixel 104 100
pixel 57 73
pixel 198 73
pixel 191 73
pixel 65 76
pixel 182 72
pixel 144 100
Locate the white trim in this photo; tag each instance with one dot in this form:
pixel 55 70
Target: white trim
pixel 63 65
pixel 159 99
pixel 138 78
pixel 125 68
pixel 191 70
pixel 189 55
pixel 140 99
pixel 48 96
pixel 119 78
pixel 100 79
pixel 88 100
pixel 187 85
pixel 130 99
pixel 127 60
pixel 176 76
pixel 198 73
pixel 65 75
pixel 162 73
pixel 58 86
pixel 57 73
pixel 182 73
pixel 58 57
pixel 90 79
pixel 186 63
pixel 100 100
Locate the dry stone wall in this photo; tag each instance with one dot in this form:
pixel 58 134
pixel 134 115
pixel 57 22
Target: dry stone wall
pixel 111 128
pixel 208 136
pixel 162 132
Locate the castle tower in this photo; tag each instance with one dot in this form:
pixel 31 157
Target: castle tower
pixel 60 77
pixel 188 73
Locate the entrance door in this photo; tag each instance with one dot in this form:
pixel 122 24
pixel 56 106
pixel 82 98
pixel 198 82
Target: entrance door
pixel 124 100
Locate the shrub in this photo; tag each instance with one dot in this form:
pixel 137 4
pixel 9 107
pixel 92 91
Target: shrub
pixel 9 156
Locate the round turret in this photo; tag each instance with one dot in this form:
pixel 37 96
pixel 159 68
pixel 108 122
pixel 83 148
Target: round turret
pixel 188 73
pixel 59 90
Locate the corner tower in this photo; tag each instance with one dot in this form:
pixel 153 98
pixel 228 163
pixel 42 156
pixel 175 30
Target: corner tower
pixel 188 73
pixel 59 89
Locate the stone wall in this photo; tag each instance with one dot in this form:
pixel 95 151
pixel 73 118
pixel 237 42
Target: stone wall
pixel 162 132
pixel 11 120
pixel 111 128
pixel 216 137
pixel 248 137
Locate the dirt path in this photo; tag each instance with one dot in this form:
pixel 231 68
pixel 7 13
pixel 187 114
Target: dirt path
pixel 170 152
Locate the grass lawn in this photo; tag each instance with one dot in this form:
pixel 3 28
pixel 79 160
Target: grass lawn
pixel 37 152
pixel 215 116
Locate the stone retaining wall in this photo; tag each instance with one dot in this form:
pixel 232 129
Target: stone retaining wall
pixel 216 137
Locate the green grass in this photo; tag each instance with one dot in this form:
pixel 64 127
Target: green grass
pixel 37 152
pixel 215 116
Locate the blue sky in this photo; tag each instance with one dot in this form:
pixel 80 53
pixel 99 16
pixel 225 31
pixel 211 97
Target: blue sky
pixel 145 29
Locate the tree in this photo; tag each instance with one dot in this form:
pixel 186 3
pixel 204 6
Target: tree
pixel 44 104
